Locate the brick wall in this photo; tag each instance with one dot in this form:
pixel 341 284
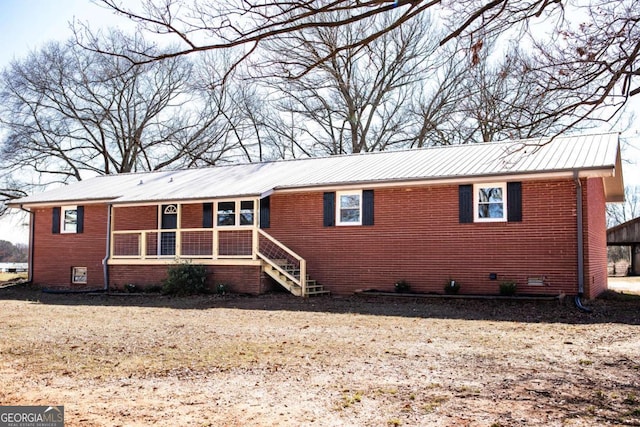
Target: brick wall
pixel 417 237
pixel 595 237
pixel 56 254
pixel 191 215
pixel 135 218
pixel 238 279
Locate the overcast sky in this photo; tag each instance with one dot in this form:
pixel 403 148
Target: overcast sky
pixel 27 24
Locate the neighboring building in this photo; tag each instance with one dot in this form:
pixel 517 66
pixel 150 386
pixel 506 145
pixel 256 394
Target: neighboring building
pixel 532 211
pixel 627 234
pixel 13 267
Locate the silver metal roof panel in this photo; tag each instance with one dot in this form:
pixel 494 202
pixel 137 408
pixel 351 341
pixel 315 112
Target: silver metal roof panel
pixel 521 157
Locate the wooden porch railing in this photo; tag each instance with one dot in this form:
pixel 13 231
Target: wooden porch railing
pixel 214 243
pixel 283 259
pixel 219 243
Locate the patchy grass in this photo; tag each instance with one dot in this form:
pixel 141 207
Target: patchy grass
pixel 280 360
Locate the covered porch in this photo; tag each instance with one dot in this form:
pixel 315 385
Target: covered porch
pixel 218 232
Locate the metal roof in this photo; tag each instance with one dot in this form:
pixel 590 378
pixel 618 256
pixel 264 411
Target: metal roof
pixel 591 155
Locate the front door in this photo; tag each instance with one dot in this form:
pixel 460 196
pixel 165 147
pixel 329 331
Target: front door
pixel 168 221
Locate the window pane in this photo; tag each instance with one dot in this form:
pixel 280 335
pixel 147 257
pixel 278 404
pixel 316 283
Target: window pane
pixel 246 212
pixel 349 215
pixel 350 201
pixel 496 210
pixel 70 219
pixel 226 213
pixel 349 209
pixel 487 195
pixel 490 202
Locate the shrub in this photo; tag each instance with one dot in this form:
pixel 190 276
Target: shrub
pixel 222 289
pixel 402 286
pixel 508 287
pixel 451 287
pixel 185 279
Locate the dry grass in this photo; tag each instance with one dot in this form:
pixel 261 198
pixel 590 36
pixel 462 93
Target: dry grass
pixel 6 277
pixel 279 360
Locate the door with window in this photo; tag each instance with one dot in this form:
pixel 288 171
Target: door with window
pixel 168 221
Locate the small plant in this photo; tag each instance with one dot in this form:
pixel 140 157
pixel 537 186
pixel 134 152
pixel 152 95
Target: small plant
pixel 185 279
pixel 222 289
pixel 451 287
pixel 508 287
pixel 131 288
pixel 402 286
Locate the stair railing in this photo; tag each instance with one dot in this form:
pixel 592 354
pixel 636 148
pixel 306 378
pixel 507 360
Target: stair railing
pixel 272 251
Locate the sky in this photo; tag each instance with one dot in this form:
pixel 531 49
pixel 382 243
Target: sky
pixel 26 25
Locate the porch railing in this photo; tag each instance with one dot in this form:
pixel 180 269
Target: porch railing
pixel 214 243
pixel 283 259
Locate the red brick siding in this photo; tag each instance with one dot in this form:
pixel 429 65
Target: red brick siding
pixel 417 237
pixel 595 237
pixel 56 254
pixel 135 218
pixel 191 215
pixel 238 279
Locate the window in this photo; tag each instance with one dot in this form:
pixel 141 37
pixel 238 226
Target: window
pixel 349 207
pixel 497 202
pixel 226 213
pixel 79 275
pixel 246 212
pixel 490 202
pixel 236 213
pixel 69 219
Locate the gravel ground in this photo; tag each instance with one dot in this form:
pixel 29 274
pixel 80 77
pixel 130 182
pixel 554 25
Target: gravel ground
pixel 278 360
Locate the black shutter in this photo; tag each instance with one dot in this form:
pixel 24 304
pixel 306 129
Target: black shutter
pixel 265 212
pixel 514 201
pixel 367 207
pixel 329 204
pixel 79 219
pixel 207 215
pixel 465 200
pixel 55 221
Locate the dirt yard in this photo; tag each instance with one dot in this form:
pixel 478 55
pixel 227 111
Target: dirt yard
pixel 278 360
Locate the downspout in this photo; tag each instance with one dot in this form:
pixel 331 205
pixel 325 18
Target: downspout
pixel 105 261
pixel 32 228
pixel 580 236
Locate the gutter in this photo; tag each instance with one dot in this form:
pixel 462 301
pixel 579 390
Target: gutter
pixel 105 261
pixel 580 232
pixel 32 228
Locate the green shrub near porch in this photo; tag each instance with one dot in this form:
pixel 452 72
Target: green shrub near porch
pixel 185 279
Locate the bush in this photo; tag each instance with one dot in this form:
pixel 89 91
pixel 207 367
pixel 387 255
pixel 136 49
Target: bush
pixel 508 287
pixel 402 286
pixel 185 279
pixel 451 287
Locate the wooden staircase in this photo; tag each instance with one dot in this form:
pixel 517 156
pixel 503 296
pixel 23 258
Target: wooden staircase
pixel 286 267
pixel 288 276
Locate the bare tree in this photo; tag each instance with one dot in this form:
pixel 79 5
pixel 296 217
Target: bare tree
pixel 596 57
pixel 618 213
pixel 500 102
pixel 68 113
pixel 358 99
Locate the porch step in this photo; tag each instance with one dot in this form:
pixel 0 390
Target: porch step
pixel 313 288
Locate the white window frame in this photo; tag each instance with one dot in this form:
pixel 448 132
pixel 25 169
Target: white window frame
pixel 476 201
pixel 70 228
pixel 237 212
pixel 339 195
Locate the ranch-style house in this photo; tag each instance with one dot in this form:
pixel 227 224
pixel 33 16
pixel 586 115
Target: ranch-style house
pixel 529 211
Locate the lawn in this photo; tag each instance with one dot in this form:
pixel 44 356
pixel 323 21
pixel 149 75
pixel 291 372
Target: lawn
pixel 278 360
